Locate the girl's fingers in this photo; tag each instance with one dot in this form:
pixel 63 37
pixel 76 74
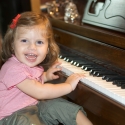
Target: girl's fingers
pixel 56 70
pixel 55 77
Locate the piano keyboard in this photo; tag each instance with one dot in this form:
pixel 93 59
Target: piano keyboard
pixel 96 83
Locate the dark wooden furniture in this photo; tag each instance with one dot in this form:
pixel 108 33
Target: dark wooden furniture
pixel 104 45
pixel 9 9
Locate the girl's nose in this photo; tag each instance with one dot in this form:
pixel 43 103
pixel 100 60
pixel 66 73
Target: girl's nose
pixel 32 46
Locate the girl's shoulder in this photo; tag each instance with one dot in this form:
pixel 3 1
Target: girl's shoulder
pixel 11 63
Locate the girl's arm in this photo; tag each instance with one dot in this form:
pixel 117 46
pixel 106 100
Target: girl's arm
pixel 49 91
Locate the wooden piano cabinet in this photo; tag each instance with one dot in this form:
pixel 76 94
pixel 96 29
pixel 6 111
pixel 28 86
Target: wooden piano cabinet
pixel 104 53
pixel 103 45
pixel 93 42
pixel 101 110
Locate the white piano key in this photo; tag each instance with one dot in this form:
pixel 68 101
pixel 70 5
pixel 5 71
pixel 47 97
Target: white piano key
pixel 106 88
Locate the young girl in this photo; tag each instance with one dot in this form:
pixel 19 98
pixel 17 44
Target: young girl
pixel 29 46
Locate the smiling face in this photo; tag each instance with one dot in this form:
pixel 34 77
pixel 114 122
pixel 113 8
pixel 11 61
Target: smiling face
pixel 30 46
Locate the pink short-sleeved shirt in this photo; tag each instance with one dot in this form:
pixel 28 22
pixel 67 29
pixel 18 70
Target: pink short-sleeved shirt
pixel 11 98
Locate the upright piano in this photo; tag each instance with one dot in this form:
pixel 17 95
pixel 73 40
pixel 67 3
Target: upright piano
pixel 97 39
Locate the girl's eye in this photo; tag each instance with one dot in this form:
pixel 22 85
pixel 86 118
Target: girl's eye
pixel 39 42
pixel 24 40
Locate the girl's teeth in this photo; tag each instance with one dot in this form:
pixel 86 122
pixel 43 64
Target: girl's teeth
pixel 31 56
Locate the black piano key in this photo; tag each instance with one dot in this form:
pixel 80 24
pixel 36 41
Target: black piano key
pixel 104 74
pixel 64 54
pixel 76 61
pixel 85 65
pixel 111 79
pixel 89 68
pixel 95 70
pixel 104 77
pixel 120 84
pixel 69 57
pixel 79 65
pixel 89 65
pixel 115 82
pixel 98 68
pixel 82 63
pixel 95 73
pixel 101 74
pixel 123 86
pixel 92 67
pixel 61 56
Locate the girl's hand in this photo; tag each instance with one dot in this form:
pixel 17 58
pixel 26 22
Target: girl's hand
pixel 74 79
pixel 50 74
